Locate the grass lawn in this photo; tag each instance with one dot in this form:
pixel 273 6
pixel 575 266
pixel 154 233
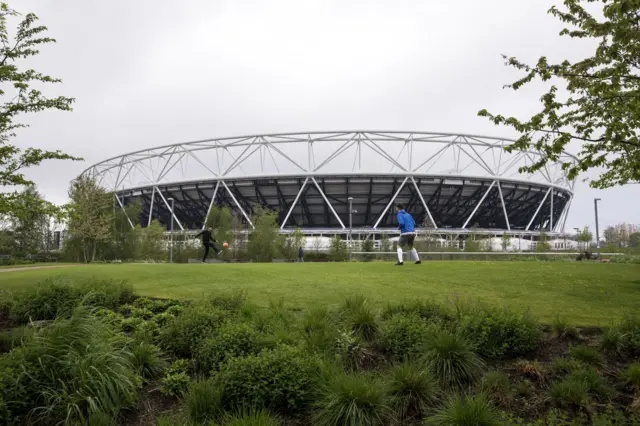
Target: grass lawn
pixel 583 293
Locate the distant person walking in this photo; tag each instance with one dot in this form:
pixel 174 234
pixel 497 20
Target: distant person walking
pixel 207 243
pixel 300 255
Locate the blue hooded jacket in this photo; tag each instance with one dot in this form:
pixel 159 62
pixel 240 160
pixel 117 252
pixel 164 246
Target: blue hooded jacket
pixel 406 222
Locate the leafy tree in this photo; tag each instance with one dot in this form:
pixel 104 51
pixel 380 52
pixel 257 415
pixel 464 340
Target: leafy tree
pixel 222 221
pixel 149 242
pixel 634 240
pixel 31 219
pixel 617 235
pixel 338 251
pixel 264 237
pixel 506 242
pixel 22 98
pixel 90 215
pixel 543 244
pixel 367 247
pixel 600 103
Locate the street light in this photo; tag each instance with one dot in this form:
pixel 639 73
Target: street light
pixel 595 206
pixel 350 226
pixel 171 234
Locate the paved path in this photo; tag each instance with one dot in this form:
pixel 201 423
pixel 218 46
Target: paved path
pixel 31 268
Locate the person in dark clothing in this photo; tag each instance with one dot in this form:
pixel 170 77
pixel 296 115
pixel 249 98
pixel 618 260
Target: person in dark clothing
pixel 300 255
pixel 207 243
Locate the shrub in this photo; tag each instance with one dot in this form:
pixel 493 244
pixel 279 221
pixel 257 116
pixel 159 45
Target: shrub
pixel 525 388
pixel 631 376
pixel 231 340
pixel 58 297
pixel 586 355
pixel 411 389
pixel 466 411
pixel 143 303
pixel 612 341
pixel 143 313
pixel 532 369
pixel 562 329
pixel 351 400
pixel 630 335
pixel 147 331
pixel 15 337
pixel 404 335
pixel 109 316
pixel 162 319
pixel 46 301
pixel 500 333
pixel 204 401
pixel 451 358
pixel 182 334
pixel 495 384
pixel 320 330
pixel 229 301
pixel 563 366
pixel 426 309
pixel 281 379
pixel 176 379
pixel 129 325
pixel 592 382
pixel 252 418
pixel 72 369
pixel 360 317
pixel 175 310
pixel 569 393
pixel 147 360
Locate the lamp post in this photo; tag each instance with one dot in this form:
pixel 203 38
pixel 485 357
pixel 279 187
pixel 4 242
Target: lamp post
pixel 595 207
pixel 350 226
pixel 171 233
pixel 577 238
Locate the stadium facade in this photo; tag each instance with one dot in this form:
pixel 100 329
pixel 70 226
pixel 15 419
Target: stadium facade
pixel 451 183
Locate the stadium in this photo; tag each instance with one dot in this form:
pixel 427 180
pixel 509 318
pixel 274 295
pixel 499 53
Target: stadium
pixel 452 183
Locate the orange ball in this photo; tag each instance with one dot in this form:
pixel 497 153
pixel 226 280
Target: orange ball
pixel 225 245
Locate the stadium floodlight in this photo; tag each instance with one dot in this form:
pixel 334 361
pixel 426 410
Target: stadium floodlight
pixel 453 183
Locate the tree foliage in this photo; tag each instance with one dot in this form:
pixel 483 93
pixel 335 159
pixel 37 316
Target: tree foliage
pixel 599 103
pixel 20 98
pixel 264 237
pixel 90 215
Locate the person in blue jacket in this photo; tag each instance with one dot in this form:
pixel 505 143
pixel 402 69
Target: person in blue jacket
pixel 407 235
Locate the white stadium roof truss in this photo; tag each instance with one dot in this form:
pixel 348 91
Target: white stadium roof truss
pixel 406 156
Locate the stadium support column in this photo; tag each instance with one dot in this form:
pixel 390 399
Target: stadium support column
pixel 538 209
pixel 326 200
pixel 125 212
pixel 171 233
pixel 173 215
pixel 153 196
pixel 213 199
pixel 504 207
pixel 384 212
pixel 478 205
pixel 426 207
pixel 233 197
pixel 350 227
pixel 295 201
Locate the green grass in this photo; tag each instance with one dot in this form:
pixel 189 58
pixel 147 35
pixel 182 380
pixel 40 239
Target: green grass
pixel 585 294
pixel 31 265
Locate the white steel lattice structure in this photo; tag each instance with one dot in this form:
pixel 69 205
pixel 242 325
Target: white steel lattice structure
pixel 449 182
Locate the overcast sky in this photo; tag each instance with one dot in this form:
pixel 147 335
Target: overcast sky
pixel 154 72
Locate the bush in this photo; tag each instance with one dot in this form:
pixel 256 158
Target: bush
pixel 147 360
pixel 360 317
pixel 351 351
pixel 630 335
pixel 143 303
pixel 426 309
pixel 592 382
pixel 532 370
pixel 404 335
pixel 72 369
pixel 204 401
pixel 631 376
pixel 182 334
pixel 500 333
pixel 411 389
pixel 58 297
pixel 128 325
pixel 612 341
pixel 15 337
pixel 282 379
pixel 466 411
pixel 229 301
pixel 320 330
pixel 562 329
pixel 231 340
pixel 563 366
pixel 451 359
pixel 586 355
pixel 175 384
pixel 351 400
pixel 144 313
pixel 569 393
pixel 495 384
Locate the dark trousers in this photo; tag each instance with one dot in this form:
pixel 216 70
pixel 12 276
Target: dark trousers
pixel 207 246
